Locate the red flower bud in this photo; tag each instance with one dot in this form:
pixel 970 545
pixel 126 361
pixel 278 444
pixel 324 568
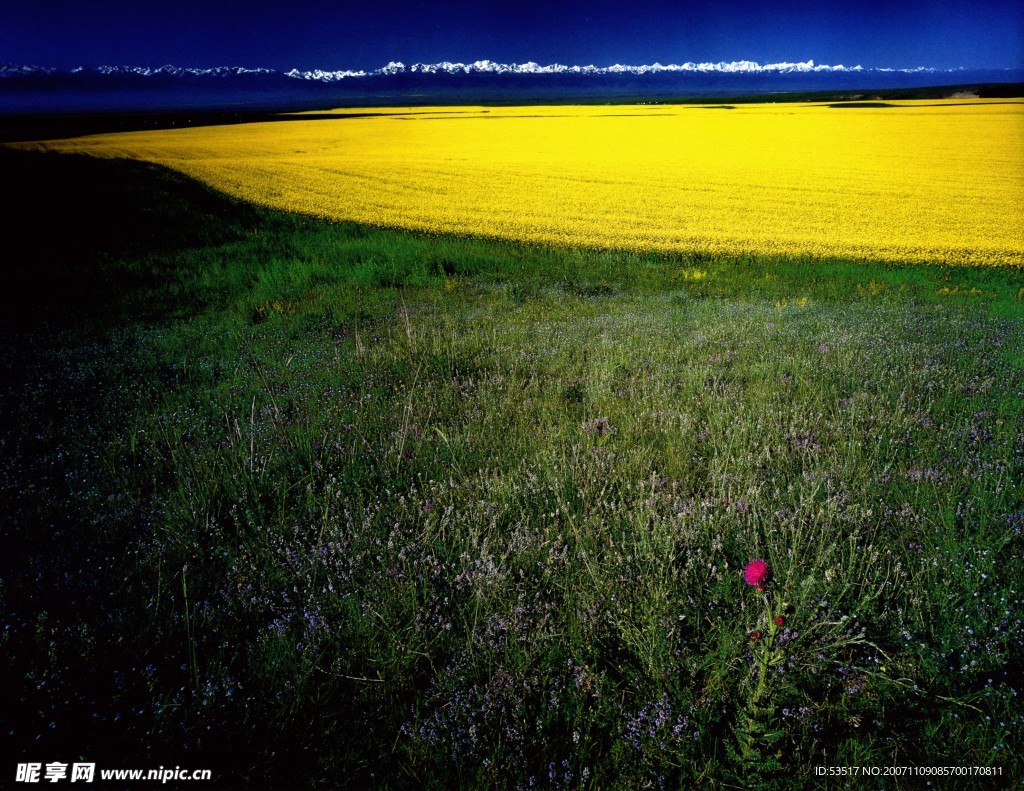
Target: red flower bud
pixel 779 620
pixel 755 635
pixel 756 574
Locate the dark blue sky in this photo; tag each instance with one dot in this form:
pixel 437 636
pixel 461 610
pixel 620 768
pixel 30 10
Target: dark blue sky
pixel 365 35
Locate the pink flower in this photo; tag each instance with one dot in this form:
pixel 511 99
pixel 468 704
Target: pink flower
pixel 756 574
pixel 779 620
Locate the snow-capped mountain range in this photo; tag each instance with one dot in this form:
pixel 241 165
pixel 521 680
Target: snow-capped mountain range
pixel 28 89
pixel 447 67
pixel 490 67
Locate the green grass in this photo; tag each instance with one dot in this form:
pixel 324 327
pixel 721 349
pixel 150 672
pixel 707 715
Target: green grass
pixel 316 504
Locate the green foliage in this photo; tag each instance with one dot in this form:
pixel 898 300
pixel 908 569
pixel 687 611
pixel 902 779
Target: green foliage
pixel 325 505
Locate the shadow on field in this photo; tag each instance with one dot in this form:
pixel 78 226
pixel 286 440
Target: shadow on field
pixel 868 105
pixel 859 105
pixel 91 244
pixel 76 222
pixel 57 127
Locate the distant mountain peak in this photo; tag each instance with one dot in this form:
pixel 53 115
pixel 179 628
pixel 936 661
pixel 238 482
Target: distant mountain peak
pixel 485 66
pixel 532 67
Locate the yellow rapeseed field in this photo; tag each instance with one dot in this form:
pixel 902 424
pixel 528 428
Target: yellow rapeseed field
pixel 913 181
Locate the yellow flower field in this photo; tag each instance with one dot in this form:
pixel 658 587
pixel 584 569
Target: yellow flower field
pixel 913 181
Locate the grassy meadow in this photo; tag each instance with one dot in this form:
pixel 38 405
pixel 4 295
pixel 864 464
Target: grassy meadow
pixel 318 504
